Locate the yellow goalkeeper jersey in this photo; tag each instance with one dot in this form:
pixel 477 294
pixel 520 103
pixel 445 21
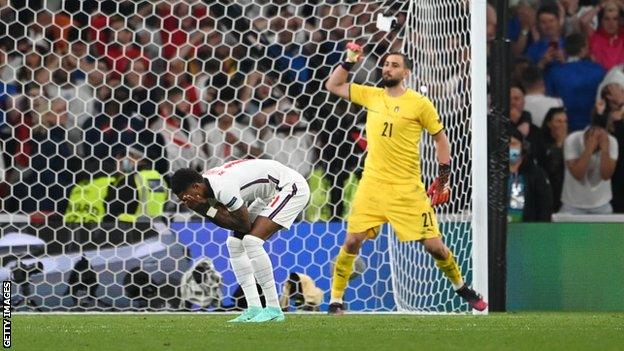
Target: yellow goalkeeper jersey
pixel 393 129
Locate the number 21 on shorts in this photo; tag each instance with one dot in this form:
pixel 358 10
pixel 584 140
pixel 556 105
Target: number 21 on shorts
pixel 427 219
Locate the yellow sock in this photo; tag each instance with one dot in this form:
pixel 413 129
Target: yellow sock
pixel 451 270
pixel 342 272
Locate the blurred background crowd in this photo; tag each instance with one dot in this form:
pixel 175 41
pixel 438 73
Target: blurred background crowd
pixel 105 87
pixel 85 85
pixel 566 107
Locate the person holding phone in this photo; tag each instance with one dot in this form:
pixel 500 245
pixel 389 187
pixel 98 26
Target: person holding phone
pixel 549 48
pixel 575 81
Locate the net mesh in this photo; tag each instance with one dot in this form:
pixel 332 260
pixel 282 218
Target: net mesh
pixel 438 42
pixel 106 91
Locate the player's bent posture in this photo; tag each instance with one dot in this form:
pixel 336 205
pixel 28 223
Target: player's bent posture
pixel 391 189
pixel 255 199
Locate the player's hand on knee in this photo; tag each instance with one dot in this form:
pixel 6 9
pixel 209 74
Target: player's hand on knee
pixel 439 192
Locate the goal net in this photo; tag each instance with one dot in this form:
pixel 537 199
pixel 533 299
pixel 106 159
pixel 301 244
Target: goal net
pixel 438 40
pixel 101 101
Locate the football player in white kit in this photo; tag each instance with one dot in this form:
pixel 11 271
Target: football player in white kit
pixel 254 198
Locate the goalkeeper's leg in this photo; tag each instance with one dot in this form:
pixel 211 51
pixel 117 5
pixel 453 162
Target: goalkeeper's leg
pixel 446 262
pixel 343 269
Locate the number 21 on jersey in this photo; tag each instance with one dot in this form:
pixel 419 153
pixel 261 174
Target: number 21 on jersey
pixel 387 130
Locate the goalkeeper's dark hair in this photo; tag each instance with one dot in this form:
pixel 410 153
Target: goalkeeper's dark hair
pixel 183 178
pixel 407 62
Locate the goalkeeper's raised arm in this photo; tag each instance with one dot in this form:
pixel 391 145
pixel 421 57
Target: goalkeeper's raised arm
pixel 337 82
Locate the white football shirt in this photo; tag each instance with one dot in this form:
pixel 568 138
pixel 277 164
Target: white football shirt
pixel 592 191
pixel 243 181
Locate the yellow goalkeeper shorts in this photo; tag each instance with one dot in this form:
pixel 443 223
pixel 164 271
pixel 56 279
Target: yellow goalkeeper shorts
pixel 406 207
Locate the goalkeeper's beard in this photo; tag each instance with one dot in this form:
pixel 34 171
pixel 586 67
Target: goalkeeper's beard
pixel 390 83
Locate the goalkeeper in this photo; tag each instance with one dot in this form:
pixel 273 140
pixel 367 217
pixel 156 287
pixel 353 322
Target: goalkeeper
pixel 391 189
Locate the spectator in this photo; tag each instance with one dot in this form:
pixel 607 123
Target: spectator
pixel 227 139
pixel 590 156
pixel 115 42
pixel 520 64
pixel 139 190
pixel 78 92
pixel 342 158
pixel 575 82
pixel 12 61
pixel 530 196
pixel 178 77
pixel 105 133
pixel 137 80
pixel 261 92
pixel 555 130
pixel 521 120
pixel 572 14
pixel 606 45
pixel 522 28
pixel 113 61
pixel 290 142
pixel 618 174
pixel 15 131
pixel 7 90
pixel 491 21
pixel 547 51
pixel 135 190
pixel 53 162
pixel 536 102
pixel 100 136
pixel 181 132
pixel 613 104
pixel 179 20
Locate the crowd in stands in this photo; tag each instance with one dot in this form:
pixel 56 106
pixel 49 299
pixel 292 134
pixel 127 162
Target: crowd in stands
pixel 198 83
pixel 566 107
pixel 191 83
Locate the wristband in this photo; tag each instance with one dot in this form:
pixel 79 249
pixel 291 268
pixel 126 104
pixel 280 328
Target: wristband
pixel 347 65
pixel 444 171
pixel 211 212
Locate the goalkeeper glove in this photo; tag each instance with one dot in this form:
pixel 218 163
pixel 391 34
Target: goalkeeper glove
pixel 354 54
pixel 439 190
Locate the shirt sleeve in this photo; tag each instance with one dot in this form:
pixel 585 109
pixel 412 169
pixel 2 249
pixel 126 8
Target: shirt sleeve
pixel 613 148
pixel 570 150
pixel 227 194
pixel 360 94
pixel 429 118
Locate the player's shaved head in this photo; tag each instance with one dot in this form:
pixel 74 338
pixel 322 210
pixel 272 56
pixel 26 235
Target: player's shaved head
pixel 183 178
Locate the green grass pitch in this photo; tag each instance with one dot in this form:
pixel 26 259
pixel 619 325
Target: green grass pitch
pixel 497 331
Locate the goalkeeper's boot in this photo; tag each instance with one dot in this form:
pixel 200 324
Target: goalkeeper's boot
pixel 269 314
pixel 246 316
pixel 335 309
pixel 474 299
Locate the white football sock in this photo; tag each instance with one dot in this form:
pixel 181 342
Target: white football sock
pixel 262 267
pixel 241 265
